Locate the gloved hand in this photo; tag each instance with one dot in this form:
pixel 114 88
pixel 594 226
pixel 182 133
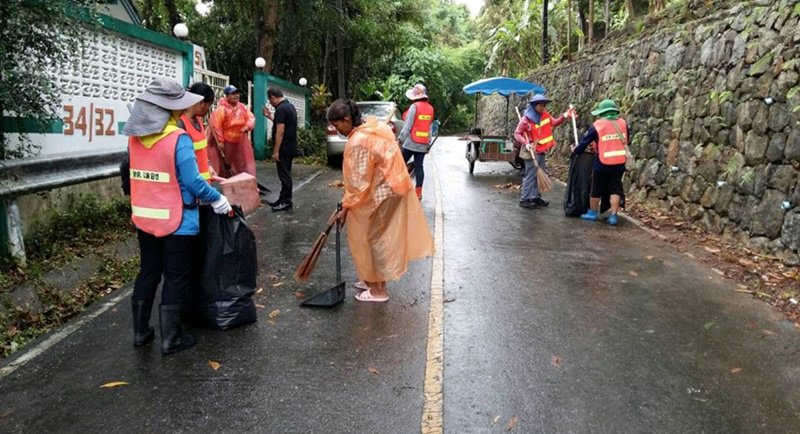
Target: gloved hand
pixel 221 205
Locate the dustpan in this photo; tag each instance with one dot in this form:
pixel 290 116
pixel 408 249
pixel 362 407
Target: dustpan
pixel 335 294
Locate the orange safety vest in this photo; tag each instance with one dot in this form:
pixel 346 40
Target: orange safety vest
pixel 542 134
pixel 156 202
pixel 611 141
pixel 200 142
pixel 421 128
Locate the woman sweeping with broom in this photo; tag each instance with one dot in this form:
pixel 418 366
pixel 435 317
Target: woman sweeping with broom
pixel 386 227
pixel 535 128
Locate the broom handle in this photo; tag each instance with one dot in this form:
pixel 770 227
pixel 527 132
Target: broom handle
pixel 574 127
pixel 338 246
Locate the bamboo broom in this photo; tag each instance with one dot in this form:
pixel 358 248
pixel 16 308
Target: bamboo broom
pixel 544 182
pixel 308 263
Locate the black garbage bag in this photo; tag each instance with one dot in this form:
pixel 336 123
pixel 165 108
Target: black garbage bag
pixel 224 272
pixel 579 185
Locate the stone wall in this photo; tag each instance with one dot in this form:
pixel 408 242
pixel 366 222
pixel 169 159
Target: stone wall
pixel 714 107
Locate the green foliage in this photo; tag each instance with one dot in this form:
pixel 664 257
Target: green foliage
pixel 720 97
pixel 733 165
pixel 319 99
pixel 311 144
pixel 83 222
pixel 38 38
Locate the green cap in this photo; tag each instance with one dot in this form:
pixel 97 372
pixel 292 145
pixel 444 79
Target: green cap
pixel 605 106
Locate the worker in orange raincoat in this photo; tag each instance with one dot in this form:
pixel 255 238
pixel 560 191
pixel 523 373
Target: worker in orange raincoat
pixel 386 227
pixel 232 151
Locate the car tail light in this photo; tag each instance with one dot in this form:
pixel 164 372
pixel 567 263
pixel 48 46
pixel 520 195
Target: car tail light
pixel 331 130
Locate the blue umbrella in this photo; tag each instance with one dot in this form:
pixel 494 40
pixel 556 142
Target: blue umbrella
pixel 503 85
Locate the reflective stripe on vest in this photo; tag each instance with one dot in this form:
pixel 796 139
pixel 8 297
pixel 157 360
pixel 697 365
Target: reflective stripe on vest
pixel 611 144
pixel 156 202
pixel 200 143
pixel 420 130
pixel 542 133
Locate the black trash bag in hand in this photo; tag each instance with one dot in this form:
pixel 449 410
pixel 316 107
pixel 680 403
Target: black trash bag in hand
pixel 224 271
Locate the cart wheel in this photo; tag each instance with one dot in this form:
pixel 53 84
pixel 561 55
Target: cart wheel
pixel 472 155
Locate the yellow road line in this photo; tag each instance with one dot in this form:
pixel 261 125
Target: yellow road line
pixel 433 405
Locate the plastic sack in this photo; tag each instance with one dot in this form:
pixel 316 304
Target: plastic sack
pixel 224 272
pixel 579 184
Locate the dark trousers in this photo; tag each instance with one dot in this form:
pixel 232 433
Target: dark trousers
pixel 169 256
pixel 419 159
pixel 284 165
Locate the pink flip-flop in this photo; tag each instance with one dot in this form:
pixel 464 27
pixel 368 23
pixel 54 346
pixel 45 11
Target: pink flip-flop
pixel 361 286
pixel 367 296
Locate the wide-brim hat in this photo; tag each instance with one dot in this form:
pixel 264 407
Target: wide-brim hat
pixel 605 106
pixel 169 95
pixel 539 99
pixel 417 92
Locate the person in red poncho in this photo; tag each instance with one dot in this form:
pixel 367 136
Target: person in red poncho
pixel 230 125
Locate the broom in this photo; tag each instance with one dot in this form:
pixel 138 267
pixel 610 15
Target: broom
pixel 308 263
pixel 544 182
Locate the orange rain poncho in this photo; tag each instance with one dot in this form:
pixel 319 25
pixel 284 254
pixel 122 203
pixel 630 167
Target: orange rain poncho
pixel 386 227
pixel 226 124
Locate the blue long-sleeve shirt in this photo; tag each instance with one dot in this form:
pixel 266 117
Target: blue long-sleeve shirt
pixel 192 185
pixel 591 136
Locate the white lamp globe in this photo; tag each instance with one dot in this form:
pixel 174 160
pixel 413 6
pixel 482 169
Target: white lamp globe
pixel 180 30
pixel 260 62
pixel 303 81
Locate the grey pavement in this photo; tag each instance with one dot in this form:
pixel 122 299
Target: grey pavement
pixel 551 325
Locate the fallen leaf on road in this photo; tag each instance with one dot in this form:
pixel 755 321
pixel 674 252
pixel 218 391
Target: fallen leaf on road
pixel 274 313
pixel 214 365
pixel 260 306
pixel 273 276
pixel 259 290
pixel 275 285
pixel 650 257
pixel 299 294
pixel 114 384
pixel 746 263
pixel 712 250
pixel 271 322
pixel 373 371
pixel 337 183
pixel 511 424
pixel 556 361
pixel 449 300
pixel 494 421
pixel 768 332
pixel 720 272
pixel 708 325
pixel 736 370
pixel 633 273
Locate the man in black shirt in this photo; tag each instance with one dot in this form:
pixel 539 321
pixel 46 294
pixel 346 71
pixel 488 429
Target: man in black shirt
pixel 284 135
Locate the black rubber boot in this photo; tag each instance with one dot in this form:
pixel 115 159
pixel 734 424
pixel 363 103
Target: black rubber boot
pixel 173 339
pixel 142 332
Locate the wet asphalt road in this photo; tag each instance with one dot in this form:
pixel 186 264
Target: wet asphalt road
pixel 551 325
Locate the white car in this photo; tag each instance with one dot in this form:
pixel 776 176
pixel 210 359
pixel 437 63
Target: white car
pixel 383 110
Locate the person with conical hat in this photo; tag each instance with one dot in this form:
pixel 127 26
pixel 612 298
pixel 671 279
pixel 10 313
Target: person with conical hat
pixel 611 134
pixel 535 133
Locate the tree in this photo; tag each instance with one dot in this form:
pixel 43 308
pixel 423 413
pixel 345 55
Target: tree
pixel 37 39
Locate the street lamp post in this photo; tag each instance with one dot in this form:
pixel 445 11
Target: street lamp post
pixel 181 31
